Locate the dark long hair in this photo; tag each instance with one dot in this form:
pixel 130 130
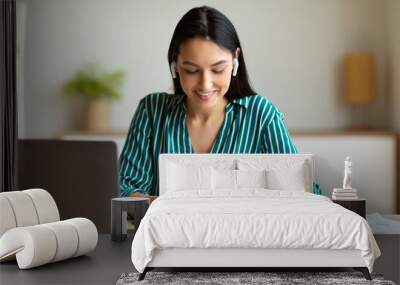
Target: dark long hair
pixel 210 24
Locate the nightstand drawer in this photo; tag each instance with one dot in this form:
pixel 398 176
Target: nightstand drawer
pixel 357 206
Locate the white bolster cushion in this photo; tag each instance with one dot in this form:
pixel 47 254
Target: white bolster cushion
pixel 26 208
pixel 87 235
pixel 23 208
pixel 67 239
pixel 40 244
pixel 33 246
pixel 45 205
pixel 7 218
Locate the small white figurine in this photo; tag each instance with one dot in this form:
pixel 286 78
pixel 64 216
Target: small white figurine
pixel 347 173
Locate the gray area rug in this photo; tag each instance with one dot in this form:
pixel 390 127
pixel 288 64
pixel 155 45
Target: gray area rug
pixel 225 278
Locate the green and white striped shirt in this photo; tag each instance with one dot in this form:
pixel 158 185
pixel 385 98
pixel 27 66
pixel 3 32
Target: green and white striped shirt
pixel 252 125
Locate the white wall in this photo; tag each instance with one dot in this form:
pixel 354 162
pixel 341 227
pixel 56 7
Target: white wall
pixel 393 24
pixel 293 50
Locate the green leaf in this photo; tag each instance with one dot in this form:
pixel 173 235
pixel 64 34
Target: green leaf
pixel 92 82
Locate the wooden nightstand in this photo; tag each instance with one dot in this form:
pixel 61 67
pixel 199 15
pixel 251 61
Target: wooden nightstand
pixel 357 206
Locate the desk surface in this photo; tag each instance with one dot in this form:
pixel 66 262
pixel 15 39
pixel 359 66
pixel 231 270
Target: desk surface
pixel 102 266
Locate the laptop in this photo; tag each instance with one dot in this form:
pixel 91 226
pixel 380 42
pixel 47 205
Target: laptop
pixel 82 176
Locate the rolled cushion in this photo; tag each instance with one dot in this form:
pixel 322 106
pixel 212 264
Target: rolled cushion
pixel 26 208
pixel 67 239
pixel 87 233
pixel 33 246
pixel 45 205
pixel 23 208
pixel 40 244
pixel 7 218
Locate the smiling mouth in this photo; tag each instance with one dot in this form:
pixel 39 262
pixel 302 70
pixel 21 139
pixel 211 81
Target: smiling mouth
pixel 205 94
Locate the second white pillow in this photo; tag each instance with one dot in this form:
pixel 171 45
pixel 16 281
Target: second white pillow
pixel 251 178
pixel 224 179
pixel 293 178
pixel 237 179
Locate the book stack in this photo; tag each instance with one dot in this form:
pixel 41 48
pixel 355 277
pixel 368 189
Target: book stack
pixel 344 194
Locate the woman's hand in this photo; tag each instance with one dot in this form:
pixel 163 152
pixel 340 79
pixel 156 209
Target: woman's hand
pixel 152 198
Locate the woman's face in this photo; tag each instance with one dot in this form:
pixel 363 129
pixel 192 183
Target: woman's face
pixel 205 71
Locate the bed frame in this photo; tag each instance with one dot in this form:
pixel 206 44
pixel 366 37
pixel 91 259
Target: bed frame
pixel 245 259
pixel 260 259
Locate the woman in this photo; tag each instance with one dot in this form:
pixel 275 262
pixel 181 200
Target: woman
pixel 213 109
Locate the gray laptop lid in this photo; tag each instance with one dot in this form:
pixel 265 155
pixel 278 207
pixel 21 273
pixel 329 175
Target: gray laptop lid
pixel 82 176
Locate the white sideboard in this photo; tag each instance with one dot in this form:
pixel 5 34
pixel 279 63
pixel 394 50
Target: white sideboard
pixel 374 164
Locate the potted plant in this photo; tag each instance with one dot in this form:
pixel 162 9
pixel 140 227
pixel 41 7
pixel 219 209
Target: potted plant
pixel 99 88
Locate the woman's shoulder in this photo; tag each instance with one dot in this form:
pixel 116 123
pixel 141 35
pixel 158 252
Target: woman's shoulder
pixel 157 97
pixel 262 105
pixel 157 101
pixel 264 109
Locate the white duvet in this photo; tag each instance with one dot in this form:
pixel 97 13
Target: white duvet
pixel 251 218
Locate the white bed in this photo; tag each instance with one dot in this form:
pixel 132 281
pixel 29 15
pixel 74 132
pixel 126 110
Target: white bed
pixel 209 222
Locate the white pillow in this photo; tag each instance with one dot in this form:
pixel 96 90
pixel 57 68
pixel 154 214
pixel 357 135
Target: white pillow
pixel 283 173
pixel 181 177
pixel 228 179
pixel 293 178
pixel 224 179
pixel 251 178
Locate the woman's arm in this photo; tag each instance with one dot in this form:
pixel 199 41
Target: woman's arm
pixel 136 163
pixel 152 198
pixel 277 138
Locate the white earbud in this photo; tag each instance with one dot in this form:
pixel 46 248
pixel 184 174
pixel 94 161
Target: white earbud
pixel 235 66
pixel 173 69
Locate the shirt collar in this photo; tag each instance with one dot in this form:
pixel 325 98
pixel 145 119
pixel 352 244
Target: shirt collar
pixel 244 101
